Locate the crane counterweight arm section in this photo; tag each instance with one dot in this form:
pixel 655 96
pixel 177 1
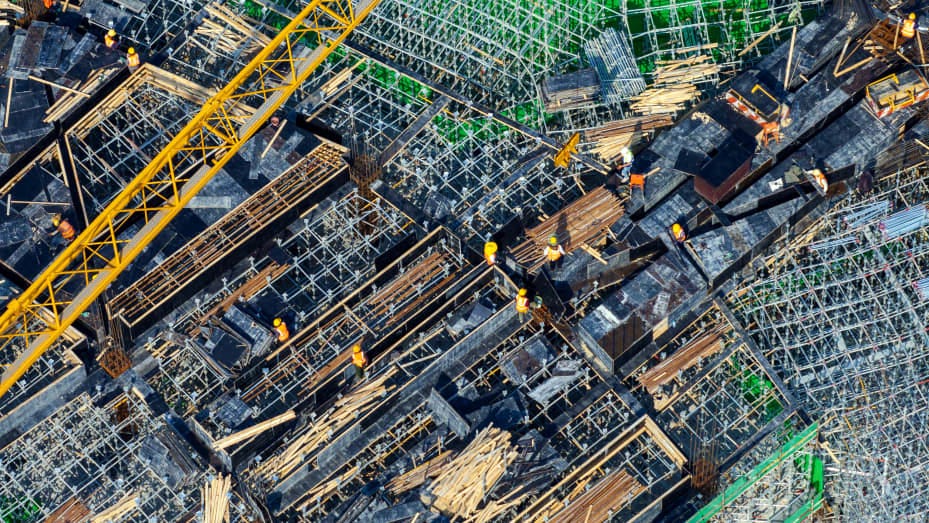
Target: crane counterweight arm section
pixel 34 320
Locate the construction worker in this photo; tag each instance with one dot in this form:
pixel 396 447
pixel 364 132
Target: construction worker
pixel 490 253
pixel 64 228
pixel 554 253
pixel 626 166
pixel 820 179
pixel 110 40
pixel 678 233
pixel 359 360
pixel 49 4
pixel 283 334
pixel 522 304
pixel 132 59
pixel 908 29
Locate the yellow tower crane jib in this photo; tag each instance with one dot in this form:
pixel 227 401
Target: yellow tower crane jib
pixel 33 321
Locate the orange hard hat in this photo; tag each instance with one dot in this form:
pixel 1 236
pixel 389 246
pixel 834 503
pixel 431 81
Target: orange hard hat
pixel 278 322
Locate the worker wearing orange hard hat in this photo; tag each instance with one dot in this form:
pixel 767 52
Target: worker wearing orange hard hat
pixel 110 39
pixel 283 333
pixel 522 304
pixel 133 60
pixel 908 28
pixel 490 253
pixel 359 360
pixel 678 233
pixel 554 253
pixel 64 228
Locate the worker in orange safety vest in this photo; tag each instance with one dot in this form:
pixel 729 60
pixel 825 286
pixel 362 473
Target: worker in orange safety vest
pixel 132 59
pixel 283 334
pixel 490 253
pixel 908 29
pixel 359 360
pixel 64 228
pixel 678 233
pixel 110 40
pixel 820 180
pixel 49 4
pixel 554 253
pixel 522 304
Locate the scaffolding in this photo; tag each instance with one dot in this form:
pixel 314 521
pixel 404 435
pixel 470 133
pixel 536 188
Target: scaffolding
pixel 840 313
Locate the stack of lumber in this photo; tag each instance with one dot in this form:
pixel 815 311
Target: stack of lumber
pixel 607 497
pixel 342 413
pixel 228 33
pixel 686 71
pixel 418 283
pixel 687 356
pixel 415 477
pixel 324 490
pixel 71 99
pixel 570 90
pixel 72 511
pixel 497 507
pixel 118 510
pixel 609 139
pixel 664 100
pixel 215 497
pixel 463 483
pixel 253 431
pixel 577 226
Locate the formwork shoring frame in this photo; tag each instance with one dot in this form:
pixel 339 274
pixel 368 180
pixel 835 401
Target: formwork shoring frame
pixel 82 451
pixel 842 321
pixel 150 30
pixel 111 144
pixel 484 181
pixel 592 427
pixel 319 274
pixel 658 30
pixel 291 378
pixel 493 52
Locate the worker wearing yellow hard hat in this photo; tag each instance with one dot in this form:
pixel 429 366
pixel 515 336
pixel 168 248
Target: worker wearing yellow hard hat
pixel 554 253
pixel 678 233
pixel 110 40
pixel 490 253
pixel 283 333
pixel 522 303
pixel 908 28
pixel 132 59
pixel 64 228
pixel 359 360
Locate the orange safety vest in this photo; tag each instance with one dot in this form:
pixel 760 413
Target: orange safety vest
pixel 821 179
pixel 553 253
pixel 282 333
pixel 134 60
pixel 66 230
pixel 679 234
pixel 48 3
pixel 359 359
pixel 109 41
pixel 522 304
pixel 491 259
pixel 909 28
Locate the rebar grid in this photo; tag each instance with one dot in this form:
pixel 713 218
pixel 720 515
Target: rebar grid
pixel 456 166
pixel 331 256
pixel 123 140
pixel 842 319
pixel 94 454
pixel 494 52
pixel 592 427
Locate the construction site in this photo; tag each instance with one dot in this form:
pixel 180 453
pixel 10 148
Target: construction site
pixel 438 261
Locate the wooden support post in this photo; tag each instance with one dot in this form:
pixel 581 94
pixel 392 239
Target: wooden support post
pixel 58 86
pixel 9 99
pixel 760 39
pixel 922 53
pixel 790 56
pixel 841 60
pixel 280 128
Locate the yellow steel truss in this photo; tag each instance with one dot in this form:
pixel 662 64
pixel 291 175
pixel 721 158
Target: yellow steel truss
pixel 36 318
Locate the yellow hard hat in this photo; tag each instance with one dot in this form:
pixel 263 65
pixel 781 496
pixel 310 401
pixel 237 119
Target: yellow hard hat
pixel 356 348
pixel 553 240
pixel 490 248
pixel 278 322
pixel 677 229
pixel 132 50
pixel 56 219
pixel 111 32
pixel 912 16
pixel 523 292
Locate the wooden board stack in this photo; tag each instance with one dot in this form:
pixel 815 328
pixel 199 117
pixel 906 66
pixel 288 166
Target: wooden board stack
pixel 72 511
pixel 465 481
pixel 215 497
pixel 119 509
pixel 674 86
pixel 342 413
pixel 682 359
pixel 578 225
pixel 609 139
pixel 607 497
pixel 415 477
